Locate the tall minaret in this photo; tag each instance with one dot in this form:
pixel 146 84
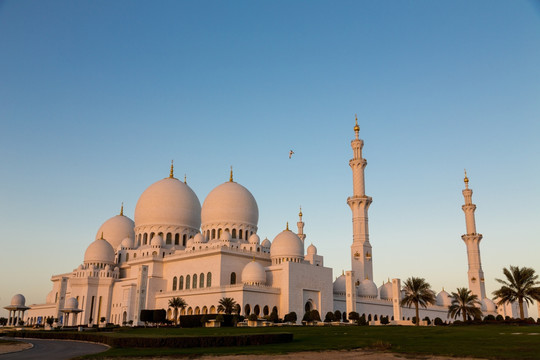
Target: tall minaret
pixel 361 253
pixel 300 225
pixel 472 240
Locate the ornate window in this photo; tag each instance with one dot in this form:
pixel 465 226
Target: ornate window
pixel 233 278
pixel 194 281
pixel 181 283
pixel 188 281
pixel 201 280
pixel 209 279
pixel 174 283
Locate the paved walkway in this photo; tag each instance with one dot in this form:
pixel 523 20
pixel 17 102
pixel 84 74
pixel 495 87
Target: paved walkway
pixel 53 349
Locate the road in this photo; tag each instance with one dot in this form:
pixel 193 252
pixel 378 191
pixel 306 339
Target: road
pixel 54 350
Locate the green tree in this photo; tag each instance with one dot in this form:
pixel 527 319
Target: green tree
pixel 419 293
pixel 227 305
pixel 464 303
pixel 177 303
pixel 522 284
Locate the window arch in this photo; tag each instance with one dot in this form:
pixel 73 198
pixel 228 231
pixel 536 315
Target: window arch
pixel 194 281
pixel 219 233
pixel 233 233
pixel 233 278
pixel 169 239
pixel 176 239
pixel 145 239
pixel 209 279
pixel 213 234
pixel 188 281
pixel 247 310
pixel 257 310
pixel 174 283
pixel 265 310
pixel 184 240
pixel 240 234
pixel 201 280
pixel 274 309
pixel 181 283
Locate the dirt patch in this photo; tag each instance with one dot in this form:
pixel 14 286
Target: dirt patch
pixel 13 346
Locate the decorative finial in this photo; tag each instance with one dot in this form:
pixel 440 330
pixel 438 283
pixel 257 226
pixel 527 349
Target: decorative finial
pixel 356 127
pixel 300 213
pixel 185 179
pixel 122 209
pixel 466 180
pixel 101 238
pixel 287 226
pixel 171 174
pixel 231 177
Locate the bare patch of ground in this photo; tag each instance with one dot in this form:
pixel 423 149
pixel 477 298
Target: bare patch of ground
pixel 13 346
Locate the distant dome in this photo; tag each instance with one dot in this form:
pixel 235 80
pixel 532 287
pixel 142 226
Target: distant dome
pixel 71 303
pixel 287 244
pixel 340 284
pixel 18 300
pixel 225 236
pixel 198 238
pixel 157 241
pixel 266 243
pixel 254 239
pixel 230 202
pixel 168 202
pixel 99 251
pixel 116 229
pixel 367 288
pixel 311 250
pixel 254 274
pixel 385 291
pixel 127 243
pixel 488 305
pixel 444 299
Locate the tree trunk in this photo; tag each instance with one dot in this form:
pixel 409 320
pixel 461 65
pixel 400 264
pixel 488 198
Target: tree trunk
pixel 521 314
pixel 464 316
pixel 175 316
pixel 417 316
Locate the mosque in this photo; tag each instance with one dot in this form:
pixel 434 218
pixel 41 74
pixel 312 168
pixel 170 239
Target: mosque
pixel 175 247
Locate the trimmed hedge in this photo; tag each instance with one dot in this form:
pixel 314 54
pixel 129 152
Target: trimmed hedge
pixel 155 342
pixel 191 321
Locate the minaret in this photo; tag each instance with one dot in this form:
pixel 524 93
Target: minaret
pixel 361 253
pixel 300 225
pixel 472 240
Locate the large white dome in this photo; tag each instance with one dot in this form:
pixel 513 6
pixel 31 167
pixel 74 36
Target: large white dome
pixel 117 229
pixel 340 284
pixel 488 305
pixel 99 252
pixel 18 300
pixel 230 203
pixel 385 291
pixel 367 288
pixel 287 245
pixel 444 299
pixel 254 274
pixel 168 202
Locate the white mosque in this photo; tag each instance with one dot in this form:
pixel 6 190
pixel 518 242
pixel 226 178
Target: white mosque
pixel 176 248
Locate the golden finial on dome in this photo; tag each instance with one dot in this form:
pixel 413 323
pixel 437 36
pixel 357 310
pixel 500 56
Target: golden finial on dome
pixel 185 179
pixel 231 177
pixel 466 180
pixel 122 209
pixel 300 213
pixel 101 238
pixel 287 228
pixel 171 174
pixel 356 127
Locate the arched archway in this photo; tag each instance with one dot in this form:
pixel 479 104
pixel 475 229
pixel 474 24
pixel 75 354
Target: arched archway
pixel 247 310
pixel 257 310
pixel 309 306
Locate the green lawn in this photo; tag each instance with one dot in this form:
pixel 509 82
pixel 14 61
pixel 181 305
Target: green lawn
pixel 494 341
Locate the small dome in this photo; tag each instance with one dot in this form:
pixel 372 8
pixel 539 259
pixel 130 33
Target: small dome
pixel 254 274
pixel 157 241
pixel 254 239
pixel 168 202
pixel 71 303
pixel 266 243
pixel 444 299
pixel 488 305
pixel 116 229
pixel 225 236
pixel 311 250
pixel 189 243
pixel 99 251
pixel 339 284
pixel 367 288
pixel 127 243
pixel 198 238
pixel 229 203
pixel 287 244
pixel 385 291
pixel 18 300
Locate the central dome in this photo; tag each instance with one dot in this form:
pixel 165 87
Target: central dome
pixel 117 229
pixel 99 252
pixel 168 202
pixel 230 203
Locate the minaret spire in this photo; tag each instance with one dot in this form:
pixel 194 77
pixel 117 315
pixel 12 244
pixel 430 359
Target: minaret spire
pixel 122 209
pixel 361 254
pixel 300 225
pixel 231 176
pixel 472 240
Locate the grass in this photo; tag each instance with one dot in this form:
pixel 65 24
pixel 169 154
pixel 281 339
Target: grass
pixel 493 341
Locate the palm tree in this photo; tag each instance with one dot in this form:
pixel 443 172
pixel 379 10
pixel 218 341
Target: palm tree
pixel 464 303
pixel 417 292
pixel 226 305
pixel 520 286
pixel 175 303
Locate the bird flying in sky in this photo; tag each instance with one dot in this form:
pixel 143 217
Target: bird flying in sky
pixel 291 153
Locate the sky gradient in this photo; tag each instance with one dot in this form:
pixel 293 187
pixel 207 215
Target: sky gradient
pixel 97 97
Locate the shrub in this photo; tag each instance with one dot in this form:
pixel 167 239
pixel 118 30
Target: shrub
pixel 252 317
pixel 315 316
pixel 427 319
pixel 307 316
pixel 329 317
pixel 499 318
pixel 274 317
pixel 290 317
pixel 220 318
pixel 345 317
pixel 384 320
pixel 204 319
pixel 489 318
pixel 337 315
pixel 362 320
pixel 354 316
pixel 438 321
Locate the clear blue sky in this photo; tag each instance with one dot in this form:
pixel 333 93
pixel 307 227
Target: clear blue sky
pixel 97 97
